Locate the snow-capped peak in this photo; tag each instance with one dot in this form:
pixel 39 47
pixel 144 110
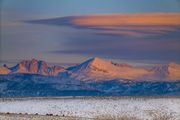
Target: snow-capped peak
pixel 90 64
pixel 97 68
pixel 100 63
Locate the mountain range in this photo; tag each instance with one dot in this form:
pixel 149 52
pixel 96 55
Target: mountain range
pixel 96 69
pixel 94 77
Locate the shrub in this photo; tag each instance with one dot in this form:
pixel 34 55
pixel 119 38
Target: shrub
pixel 7 113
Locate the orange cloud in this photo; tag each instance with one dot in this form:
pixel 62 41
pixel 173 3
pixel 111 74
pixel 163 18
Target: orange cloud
pixel 135 31
pixel 125 33
pixel 137 25
pixel 130 25
pixel 128 19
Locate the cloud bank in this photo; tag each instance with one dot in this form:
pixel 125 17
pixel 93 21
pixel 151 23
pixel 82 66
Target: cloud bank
pixel 137 25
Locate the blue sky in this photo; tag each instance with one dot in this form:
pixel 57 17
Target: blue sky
pixel 66 44
pixel 76 7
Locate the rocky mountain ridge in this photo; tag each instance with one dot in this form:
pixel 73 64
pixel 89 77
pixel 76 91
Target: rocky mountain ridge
pixel 96 69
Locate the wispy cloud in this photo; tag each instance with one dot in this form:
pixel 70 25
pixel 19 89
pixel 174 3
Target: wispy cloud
pixel 136 25
pixel 128 19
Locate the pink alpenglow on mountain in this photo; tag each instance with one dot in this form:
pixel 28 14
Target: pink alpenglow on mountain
pixel 173 71
pixel 32 67
pixel 55 70
pixel 103 69
pixel 4 70
pixel 167 72
pixel 100 69
pixel 97 69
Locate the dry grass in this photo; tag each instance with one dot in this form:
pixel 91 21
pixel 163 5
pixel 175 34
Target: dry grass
pixel 160 115
pixel 154 115
pixel 122 117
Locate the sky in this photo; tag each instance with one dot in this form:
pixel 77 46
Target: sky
pixel 67 32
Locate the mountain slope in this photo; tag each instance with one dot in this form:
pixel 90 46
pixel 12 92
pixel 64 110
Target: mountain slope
pixel 39 85
pixel 174 71
pixel 94 77
pixel 4 70
pixel 35 67
pixel 98 68
pixel 168 72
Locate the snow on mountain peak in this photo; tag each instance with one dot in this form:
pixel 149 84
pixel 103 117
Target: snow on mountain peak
pixel 174 65
pixel 100 63
pixel 90 64
pixel 173 71
pixel 98 60
pixel 97 69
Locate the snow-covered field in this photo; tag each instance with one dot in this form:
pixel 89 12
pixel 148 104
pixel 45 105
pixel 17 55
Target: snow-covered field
pixel 92 107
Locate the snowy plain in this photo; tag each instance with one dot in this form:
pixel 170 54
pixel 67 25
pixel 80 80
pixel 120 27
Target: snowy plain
pixel 91 107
